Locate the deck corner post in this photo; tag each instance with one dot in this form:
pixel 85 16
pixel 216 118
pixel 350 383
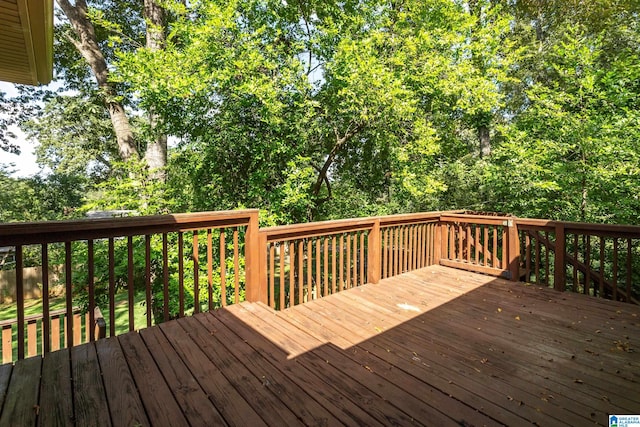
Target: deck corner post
pixel 559 274
pixel 513 250
pixel 437 242
pixel 255 289
pixel 373 253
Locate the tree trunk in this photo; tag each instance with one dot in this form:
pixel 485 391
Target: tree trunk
pixel 86 43
pixel 485 141
pixel 156 154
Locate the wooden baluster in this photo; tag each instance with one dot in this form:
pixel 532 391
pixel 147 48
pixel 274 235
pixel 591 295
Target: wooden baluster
pixel 318 269
pixel 20 300
pixel 587 263
pixel 292 269
pixel 547 259
pixel 527 245
pixel 341 264
pixel 310 270
pixel 396 250
pixel 468 240
pixel 165 276
pixel 412 247
pixel 485 249
pixel 333 264
pixel 476 243
pixel 210 268
pixel 300 271
pixel 353 262
pixel 68 330
pixel 348 265
pixel 7 340
pixel 147 281
pixel 537 264
pixel 362 259
pixel 130 282
pixel 223 269
pixel 385 253
pixel 560 276
pixel 46 325
pixel 460 243
pixel 92 296
pixel 236 266
pixel 452 242
pixel 195 258
pixel 181 273
pixel 504 262
pixel 615 269
pixel 421 245
pixel 576 281
pixel 494 249
pixel 282 282
pixel 325 259
pixel 431 243
pixel 272 275
pixel 32 337
pixel 601 279
pixel 629 252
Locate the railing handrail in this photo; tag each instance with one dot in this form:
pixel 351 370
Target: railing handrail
pixel 37 316
pixel 314 229
pixel 25 233
pixel 581 227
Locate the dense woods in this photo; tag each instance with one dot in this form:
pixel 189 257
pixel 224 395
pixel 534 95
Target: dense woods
pixel 314 110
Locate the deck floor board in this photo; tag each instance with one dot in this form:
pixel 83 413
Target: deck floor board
pixel 436 346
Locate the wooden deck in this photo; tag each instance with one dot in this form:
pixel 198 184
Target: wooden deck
pixel 433 347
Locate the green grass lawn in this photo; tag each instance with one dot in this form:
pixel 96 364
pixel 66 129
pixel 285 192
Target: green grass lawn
pixel 32 307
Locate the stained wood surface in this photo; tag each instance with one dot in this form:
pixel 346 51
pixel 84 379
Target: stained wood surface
pixel 436 346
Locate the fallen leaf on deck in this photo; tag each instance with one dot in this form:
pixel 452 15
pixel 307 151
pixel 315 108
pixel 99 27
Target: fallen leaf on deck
pixel 578 381
pixel 517 317
pixel 499 310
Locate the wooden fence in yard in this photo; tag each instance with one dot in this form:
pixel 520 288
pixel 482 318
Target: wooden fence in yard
pixel 191 262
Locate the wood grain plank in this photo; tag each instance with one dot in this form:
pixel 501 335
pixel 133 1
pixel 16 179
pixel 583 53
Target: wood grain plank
pixel 56 398
pixel 287 392
pixel 125 405
pixel 21 404
pixel 251 388
pixel 234 408
pixel 187 392
pixel 328 396
pixel 159 403
pixel 5 376
pixel 89 396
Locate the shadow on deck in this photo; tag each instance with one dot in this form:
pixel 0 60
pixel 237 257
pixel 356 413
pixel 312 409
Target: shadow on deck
pixel 433 347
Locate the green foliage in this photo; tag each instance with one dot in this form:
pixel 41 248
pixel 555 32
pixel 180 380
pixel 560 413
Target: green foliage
pixel 338 109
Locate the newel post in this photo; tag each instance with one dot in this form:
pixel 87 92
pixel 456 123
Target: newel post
pixel 513 250
pixel 437 242
pixel 373 253
pixel 256 290
pixel 559 275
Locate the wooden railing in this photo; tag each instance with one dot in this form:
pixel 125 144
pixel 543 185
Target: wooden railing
pixel 480 243
pixel 177 264
pixel 595 259
pixel 108 259
pixel 303 262
pixel 58 331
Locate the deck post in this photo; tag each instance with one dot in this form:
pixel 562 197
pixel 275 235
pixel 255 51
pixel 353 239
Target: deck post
pixel 559 275
pixel 373 253
pixel 513 250
pixel 256 291
pixel 437 243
